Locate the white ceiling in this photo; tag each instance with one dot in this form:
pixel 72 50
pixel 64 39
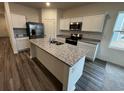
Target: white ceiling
pixel 61 5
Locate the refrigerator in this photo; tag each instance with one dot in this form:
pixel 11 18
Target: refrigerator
pixel 35 30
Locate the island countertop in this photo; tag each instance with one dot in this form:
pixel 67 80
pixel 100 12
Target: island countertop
pixel 67 53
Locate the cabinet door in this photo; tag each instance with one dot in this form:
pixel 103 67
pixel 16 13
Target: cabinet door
pixel 18 21
pixel 64 24
pixel 22 43
pixel 93 23
pixel 76 19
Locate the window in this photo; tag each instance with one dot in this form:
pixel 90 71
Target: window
pixel 117 41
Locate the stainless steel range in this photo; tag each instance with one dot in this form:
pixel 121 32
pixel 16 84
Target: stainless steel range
pixel 73 39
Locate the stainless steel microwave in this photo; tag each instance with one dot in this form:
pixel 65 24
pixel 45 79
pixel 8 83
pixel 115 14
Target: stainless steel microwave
pixel 75 26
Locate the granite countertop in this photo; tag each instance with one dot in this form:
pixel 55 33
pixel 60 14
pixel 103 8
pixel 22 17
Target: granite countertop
pixel 22 38
pixel 67 53
pixel 63 36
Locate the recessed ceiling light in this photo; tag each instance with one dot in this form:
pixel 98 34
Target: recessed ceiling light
pixel 47 4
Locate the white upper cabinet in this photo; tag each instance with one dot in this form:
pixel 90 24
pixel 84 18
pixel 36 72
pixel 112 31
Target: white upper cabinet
pixel 119 25
pixel 93 23
pixel 76 19
pixel 18 21
pixel 64 24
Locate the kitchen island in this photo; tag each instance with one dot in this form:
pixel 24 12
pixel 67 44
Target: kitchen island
pixel 65 62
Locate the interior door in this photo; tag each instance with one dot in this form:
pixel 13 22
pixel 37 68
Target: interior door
pixel 50 28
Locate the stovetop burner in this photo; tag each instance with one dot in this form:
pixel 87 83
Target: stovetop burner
pixel 73 39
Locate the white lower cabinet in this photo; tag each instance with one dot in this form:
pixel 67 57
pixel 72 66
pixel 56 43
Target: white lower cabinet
pixel 22 43
pixel 92 49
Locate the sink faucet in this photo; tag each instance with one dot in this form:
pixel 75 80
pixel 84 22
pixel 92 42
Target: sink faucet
pixel 51 39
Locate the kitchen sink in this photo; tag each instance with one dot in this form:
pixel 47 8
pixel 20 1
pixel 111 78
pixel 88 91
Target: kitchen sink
pixel 57 42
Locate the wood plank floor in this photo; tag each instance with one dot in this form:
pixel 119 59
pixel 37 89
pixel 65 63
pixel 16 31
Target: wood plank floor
pixel 18 72
pixel 93 76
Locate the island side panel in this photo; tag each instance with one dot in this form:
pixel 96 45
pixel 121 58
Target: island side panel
pixel 32 50
pixel 54 65
pixel 74 75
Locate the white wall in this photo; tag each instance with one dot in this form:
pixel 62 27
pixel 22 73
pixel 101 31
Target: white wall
pixel 105 53
pixel 3 28
pixel 10 27
pixel 31 14
pixel 49 13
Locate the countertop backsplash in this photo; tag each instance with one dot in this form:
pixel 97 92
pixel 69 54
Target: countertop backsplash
pixel 20 32
pixel 90 35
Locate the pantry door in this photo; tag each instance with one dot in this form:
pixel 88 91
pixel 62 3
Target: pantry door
pixel 50 28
